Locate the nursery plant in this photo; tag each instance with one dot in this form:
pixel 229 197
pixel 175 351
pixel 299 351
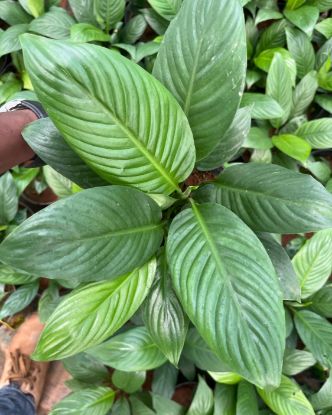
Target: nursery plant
pixel 180 173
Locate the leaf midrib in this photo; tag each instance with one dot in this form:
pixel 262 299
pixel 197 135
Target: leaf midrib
pixel 129 133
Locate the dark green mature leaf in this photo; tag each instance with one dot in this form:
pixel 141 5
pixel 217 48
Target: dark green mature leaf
pixel 263 107
pixel 318 133
pixel 209 74
pixel 109 12
pixel 164 317
pixel 139 408
pixel 155 21
pixel 12 13
pixel 224 400
pixel 164 380
pixel 86 368
pixel 8 199
pixel 19 299
pixel 9 39
pixel 91 401
pixel 323 398
pixel 200 353
pixel 289 282
pixel 133 30
pixel 83 11
pixel 316 333
pixel 165 406
pixel 321 301
pixel 258 138
pixel 121 407
pixel 55 24
pixel 166 8
pixel 301 50
pixel 296 361
pixel 246 399
pixel 130 351
pixel 325 27
pixel 313 262
pixel 123 232
pixel 304 18
pixel 46 141
pixel 230 143
pixel 270 198
pixel 279 87
pixel 202 403
pixel 288 399
pixel 304 93
pixel 217 263
pixel 273 37
pixel 86 32
pixel 103 308
pixel 129 382
pixel 106 122
pixel 9 275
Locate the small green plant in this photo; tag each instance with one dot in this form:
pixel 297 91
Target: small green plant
pixel 171 271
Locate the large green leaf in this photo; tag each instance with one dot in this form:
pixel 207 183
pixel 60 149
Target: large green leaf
pixel 246 399
pixel 130 351
pixel 91 401
pixel 86 368
pixel 116 116
pixel 9 39
pixel 224 400
pixel 304 93
pixel 321 302
pixel 217 264
pixel 270 198
pixel 230 144
pixel 164 380
pixel 46 141
pixel 202 61
pixel 8 199
pixel 301 50
pixel 202 403
pixel 318 133
pixel 296 361
pixel 12 13
pixel 166 8
pixel 288 399
pixel 279 87
pixel 304 18
pixel 164 317
pixel 103 307
pixel 109 12
pixel 55 24
pixel 289 282
pixel 313 262
pixel 316 333
pixel 100 233
pixel 293 146
pixel 83 11
pixel 262 106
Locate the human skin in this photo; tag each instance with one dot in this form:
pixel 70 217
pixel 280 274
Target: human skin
pixel 13 149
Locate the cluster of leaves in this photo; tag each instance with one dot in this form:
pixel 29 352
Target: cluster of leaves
pixel 149 272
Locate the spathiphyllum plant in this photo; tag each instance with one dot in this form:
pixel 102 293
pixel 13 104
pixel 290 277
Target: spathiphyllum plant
pixel 180 176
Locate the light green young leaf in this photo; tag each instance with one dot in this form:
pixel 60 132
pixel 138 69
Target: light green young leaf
pixel 55 24
pixel 262 106
pixel 316 333
pixel 109 12
pixel 321 301
pixel 86 32
pixel 293 146
pixel 301 50
pixel 288 399
pixel 128 382
pixel 202 403
pixel 305 18
pixel 279 87
pixel 294 4
pixel 9 275
pixel 9 39
pixel 130 351
pixel 304 93
pixel 296 361
pixel 318 133
pixel 246 399
pixel 210 72
pixel 8 199
pixel 210 254
pixel 60 185
pixel 103 308
pixel 224 400
pixel 325 27
pixel 228 378
pixel 288 280
pixel 19 299
pixel 33 7
pixel 91 401
pixel 325 101
pixel 96 121
pixel 313 262
pixel 166 8
pixel 296 202
pixel 86 368
pixel 51 241
pixel 12 13
pixel 264 60
pixel 164 317
pixel 230 143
